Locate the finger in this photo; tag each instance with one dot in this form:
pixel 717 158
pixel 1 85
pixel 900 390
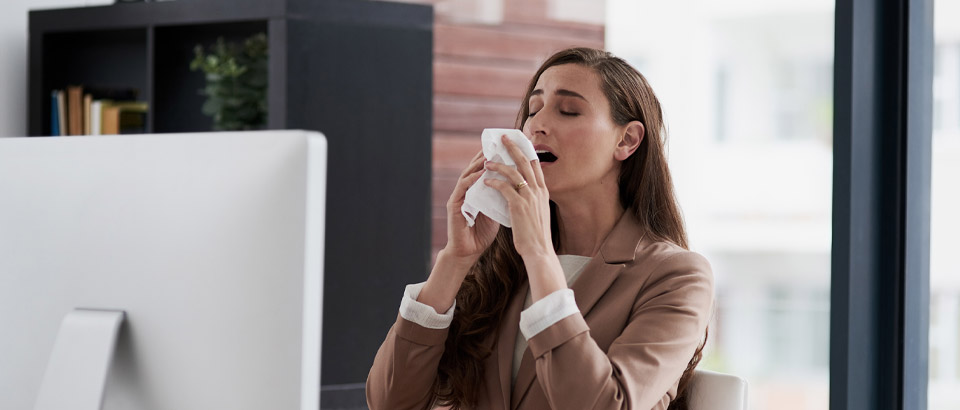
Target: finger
pixel 460 190
pixel 474 164
pixel 510 172
pixel 523 164
pixel 538 173
pixel 505 189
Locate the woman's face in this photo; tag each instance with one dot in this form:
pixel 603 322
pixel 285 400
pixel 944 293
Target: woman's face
pixel 569 116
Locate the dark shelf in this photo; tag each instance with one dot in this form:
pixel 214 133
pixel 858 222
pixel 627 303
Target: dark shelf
pixel 177 92
pixel 358 71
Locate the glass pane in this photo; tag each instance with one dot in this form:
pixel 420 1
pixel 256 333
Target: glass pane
pixel 746 88
pixel 944 362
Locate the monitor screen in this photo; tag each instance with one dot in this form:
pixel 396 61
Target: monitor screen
pixel 210 243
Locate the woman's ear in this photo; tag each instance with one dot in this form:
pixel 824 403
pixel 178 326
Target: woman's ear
pixel 630 140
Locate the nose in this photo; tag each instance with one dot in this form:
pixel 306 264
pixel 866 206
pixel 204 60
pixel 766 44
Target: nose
pixel 535 127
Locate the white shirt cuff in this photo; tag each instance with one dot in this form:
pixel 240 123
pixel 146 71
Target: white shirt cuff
pixel 423 314
pixel 547 311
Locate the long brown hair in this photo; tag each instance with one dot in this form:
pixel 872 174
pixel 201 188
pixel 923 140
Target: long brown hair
pixel 645 188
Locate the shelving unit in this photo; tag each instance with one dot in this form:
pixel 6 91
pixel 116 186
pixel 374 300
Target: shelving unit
pixel 358 71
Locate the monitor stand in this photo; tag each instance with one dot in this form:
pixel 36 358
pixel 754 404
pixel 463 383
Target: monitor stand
pixel 77 371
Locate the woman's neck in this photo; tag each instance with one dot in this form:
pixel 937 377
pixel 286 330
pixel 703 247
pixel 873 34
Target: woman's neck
pixel 586 219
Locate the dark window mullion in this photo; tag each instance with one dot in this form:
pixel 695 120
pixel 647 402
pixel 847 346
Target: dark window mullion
pixel 916 245
pixel 880 280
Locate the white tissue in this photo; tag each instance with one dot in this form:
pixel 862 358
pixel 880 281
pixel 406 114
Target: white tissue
pixel 481 198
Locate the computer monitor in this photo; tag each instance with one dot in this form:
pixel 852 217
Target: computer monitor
pixel 210 243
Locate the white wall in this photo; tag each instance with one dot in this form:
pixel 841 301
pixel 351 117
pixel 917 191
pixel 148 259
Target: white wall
pixel 13 59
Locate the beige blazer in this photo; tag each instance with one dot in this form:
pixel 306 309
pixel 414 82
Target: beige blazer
pixel 644 307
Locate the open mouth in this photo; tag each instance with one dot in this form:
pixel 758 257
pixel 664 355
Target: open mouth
pixel 546 156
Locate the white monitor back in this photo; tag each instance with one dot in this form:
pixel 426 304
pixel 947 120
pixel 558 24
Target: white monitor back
pixel 212 243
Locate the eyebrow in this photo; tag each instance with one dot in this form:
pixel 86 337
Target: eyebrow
pixel 563 92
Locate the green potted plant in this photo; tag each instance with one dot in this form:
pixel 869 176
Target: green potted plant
pixel 236 88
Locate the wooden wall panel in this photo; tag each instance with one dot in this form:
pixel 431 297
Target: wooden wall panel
pixel 529 11
pixel 479 80
pixel 471 115
pixel 525 45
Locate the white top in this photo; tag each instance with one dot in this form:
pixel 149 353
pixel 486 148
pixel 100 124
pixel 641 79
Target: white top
pixel 535 317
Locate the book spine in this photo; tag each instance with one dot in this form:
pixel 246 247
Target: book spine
pixel 54 114
pixel 111 120
pixel 96 115
pixel 75 109
pixel 87 101
pixel 61 113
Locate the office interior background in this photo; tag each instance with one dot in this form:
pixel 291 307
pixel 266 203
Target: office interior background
pixel 746 87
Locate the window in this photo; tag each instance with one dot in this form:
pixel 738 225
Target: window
pixel 944 381
pixel 746 87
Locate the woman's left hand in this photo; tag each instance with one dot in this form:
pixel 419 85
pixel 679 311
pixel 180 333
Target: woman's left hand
pixel 528 202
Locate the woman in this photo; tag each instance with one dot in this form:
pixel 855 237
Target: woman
pixel 591 300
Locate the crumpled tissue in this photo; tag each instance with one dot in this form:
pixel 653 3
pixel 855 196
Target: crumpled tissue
pixel 481 198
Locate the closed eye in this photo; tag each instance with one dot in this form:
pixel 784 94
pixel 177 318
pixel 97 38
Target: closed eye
pixel 566 113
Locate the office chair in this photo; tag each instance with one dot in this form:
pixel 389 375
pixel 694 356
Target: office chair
pixel 717 391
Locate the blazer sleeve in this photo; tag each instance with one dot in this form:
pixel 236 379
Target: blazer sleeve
pixel 639 370
pixel 405 367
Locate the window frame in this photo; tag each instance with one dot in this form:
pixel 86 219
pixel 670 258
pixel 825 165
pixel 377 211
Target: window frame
pixel 880 284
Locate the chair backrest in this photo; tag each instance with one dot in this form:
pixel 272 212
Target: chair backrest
pixel 716 391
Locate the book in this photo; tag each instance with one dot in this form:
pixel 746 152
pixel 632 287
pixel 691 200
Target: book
pixel 75 110
pixel 96 117
pixel 61 113
pixel 83 110
pixel 54 114
pixel 87 101
pixel 133 121
pixel 111 120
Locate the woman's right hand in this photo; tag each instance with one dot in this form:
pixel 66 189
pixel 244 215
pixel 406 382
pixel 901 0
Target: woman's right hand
pixel 465 242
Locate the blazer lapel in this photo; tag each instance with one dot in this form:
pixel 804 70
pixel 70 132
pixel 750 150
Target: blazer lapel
pixel 618 248
pixel 507 341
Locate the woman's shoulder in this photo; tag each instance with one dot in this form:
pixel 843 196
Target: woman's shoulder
pixel 648 256
pixel 656 258
pixel 670 274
